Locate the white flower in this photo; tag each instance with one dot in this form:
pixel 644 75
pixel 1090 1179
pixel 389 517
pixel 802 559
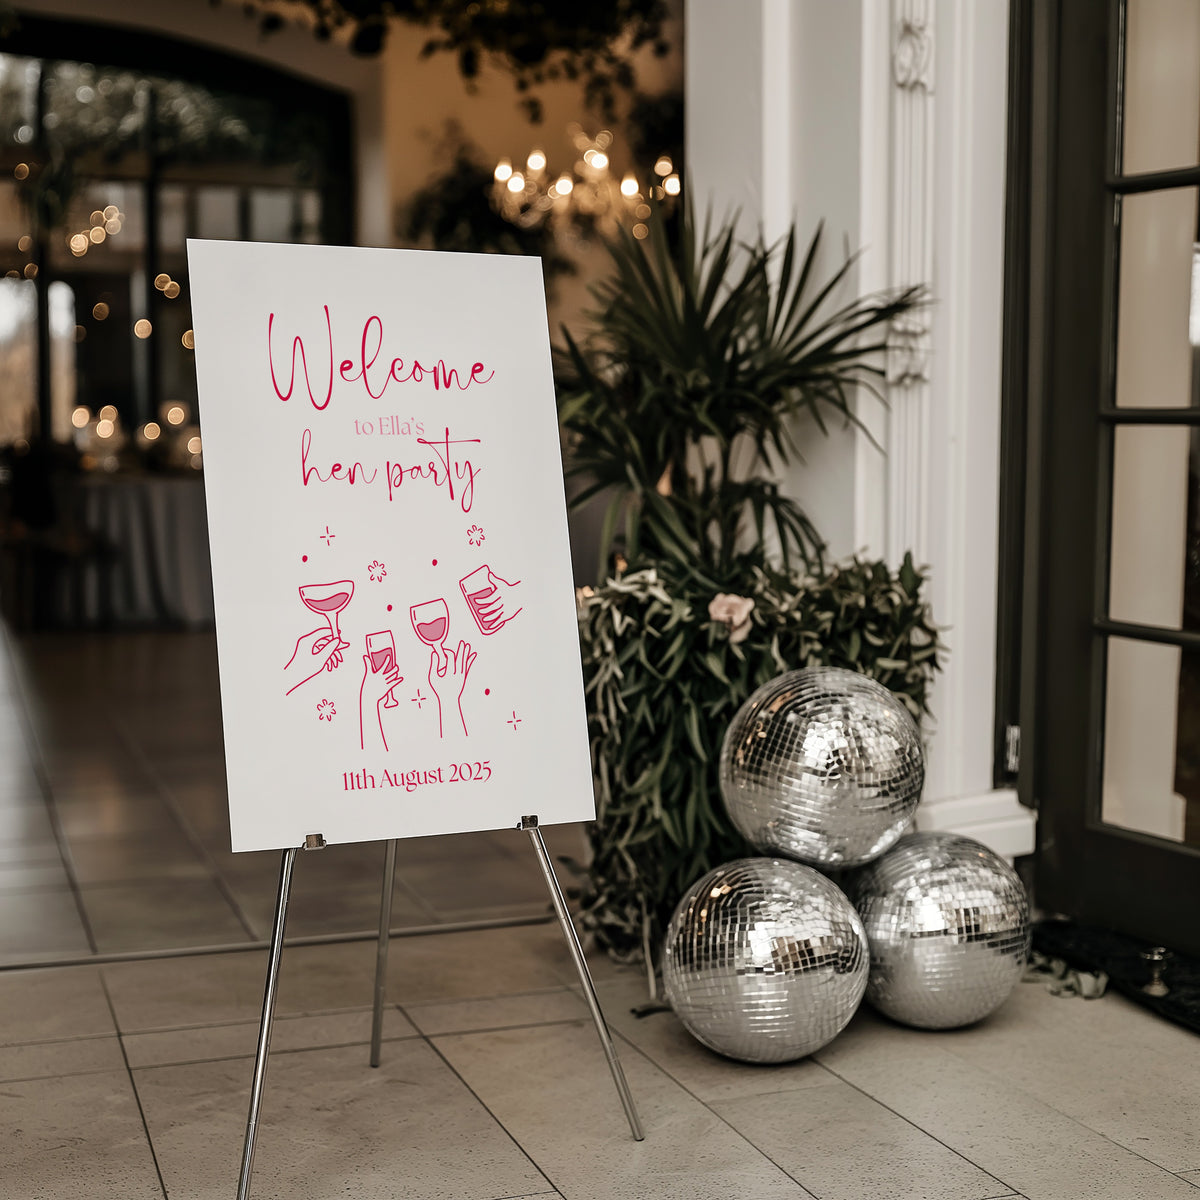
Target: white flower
pixel 733 612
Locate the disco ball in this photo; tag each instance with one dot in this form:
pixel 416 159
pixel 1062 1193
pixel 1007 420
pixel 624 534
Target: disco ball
pixel 948 925
pixel 765 960
pixel 823 765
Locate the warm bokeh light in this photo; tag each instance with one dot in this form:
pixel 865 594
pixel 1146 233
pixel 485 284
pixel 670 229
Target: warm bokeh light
pixel 104 429
pixel 100 310
pixel 516 182
pixel 31 270
pixel 112 225
pixel 629 186
pixel 97 218
pixel 664 166
pixel 161 280
pixel 171 290
pixel 80 333
pixel 151 430
pixel 110 211
pixel 642 211
pixel 599 160
pixel 25 243
pixel 21 171
pixel 108 413
pixel 640 231
pixel 536 160
pixel 79 245
pixel 176 415
pixel 565 185
pixel 188 339
pixel 503 170
pixel 196 462
pixel 671 185
pixel 194 445
pixel 97 234
pixel 81 416
pixel 143 328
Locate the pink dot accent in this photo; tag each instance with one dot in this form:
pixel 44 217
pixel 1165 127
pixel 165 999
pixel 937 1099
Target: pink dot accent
pixel 435 562
pixel 304 558
pixel 487 691
pixel 389 608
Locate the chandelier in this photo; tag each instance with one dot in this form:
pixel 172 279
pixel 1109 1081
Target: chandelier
pixel 589 195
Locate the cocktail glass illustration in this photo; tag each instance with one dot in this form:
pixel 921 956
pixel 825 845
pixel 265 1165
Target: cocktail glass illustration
pixel 327 600
pixel 381 650
pixel 431 623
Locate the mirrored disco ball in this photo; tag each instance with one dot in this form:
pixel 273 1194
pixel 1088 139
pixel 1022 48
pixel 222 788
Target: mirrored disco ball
pixel 948 925
pixel 824 765
pixel 765 960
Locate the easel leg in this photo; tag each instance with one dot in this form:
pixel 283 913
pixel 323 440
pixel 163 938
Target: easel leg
pixel 530 825
pixel 268 1018
pixel 385 925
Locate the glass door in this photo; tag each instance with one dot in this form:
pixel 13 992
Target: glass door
pixel 1116 674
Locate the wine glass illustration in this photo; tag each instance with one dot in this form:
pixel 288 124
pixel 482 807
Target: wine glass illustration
pixel 381 650
pixel 431 623
pixel 327 600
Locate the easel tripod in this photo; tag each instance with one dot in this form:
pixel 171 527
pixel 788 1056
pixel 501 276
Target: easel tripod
pixel 316 842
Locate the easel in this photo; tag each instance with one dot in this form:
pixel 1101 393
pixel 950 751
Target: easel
pixel 315 841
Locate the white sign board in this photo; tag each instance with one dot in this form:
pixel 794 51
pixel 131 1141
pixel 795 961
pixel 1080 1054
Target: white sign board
pixel 395 612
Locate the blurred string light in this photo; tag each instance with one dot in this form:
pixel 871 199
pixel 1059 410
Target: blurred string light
pixel 102 224
pixel 532 195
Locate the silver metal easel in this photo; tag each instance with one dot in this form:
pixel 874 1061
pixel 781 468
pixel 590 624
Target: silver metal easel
pixel 314 841
pixel 530 826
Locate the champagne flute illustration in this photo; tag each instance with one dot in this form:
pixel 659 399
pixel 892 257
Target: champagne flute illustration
pixel 381 650
pixel 327 600
pixel 431 623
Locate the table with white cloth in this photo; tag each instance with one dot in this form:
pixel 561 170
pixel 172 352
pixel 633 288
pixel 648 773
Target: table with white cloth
pixel 155 567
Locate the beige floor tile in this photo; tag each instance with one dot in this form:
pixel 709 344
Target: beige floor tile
pixel 708 1076
pixel 65 1142
pixel 1192 1177
pixel 1109 1064
pixel 333 1126
pixel 40 922
pixel 53 1004
pixel 240 1040
pixel 79 1056
pixel 486 962
pixel 135 857
pixel 843 1145
pixel 1035 1149
pixel 505 1012
pixel 228 988
pixel 551 1089
pixel 161 914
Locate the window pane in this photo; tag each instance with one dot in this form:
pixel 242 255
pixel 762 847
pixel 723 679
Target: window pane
pixel 1154 566
pixel 271 215
pixel 217 213
pixel 1151 779
pixel 1162 85
pixel 1158 314
pixel 18 360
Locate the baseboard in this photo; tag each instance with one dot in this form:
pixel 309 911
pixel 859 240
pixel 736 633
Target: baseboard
pixel 997 819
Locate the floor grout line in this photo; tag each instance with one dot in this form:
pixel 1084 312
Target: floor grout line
pixel 136 1094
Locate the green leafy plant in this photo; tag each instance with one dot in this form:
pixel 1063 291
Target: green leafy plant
pixel 682 405
pixel 679 406
pixel 664 679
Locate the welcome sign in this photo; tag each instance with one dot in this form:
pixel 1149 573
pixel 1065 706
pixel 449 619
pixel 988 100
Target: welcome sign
pixel 395 612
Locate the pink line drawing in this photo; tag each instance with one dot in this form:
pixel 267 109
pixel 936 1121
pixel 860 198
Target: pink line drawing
pixel 431 623
pixel 381 650
pixel 326 711
pixel 475 535
pixel 375 687
pixel 490 598
pixel 514 721
pixel 457 666
pixel 377 571
pixel 319 650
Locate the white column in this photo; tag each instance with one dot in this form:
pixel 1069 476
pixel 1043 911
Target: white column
pixel 893 120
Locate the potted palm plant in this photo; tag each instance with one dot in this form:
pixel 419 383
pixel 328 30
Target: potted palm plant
pixel 678 409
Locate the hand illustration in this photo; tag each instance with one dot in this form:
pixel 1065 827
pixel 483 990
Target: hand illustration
pixel 315 652
pixel 492 599
pixel 447 681
pixel 371 692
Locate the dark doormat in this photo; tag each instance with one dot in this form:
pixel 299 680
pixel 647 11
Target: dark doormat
pixel 1128 972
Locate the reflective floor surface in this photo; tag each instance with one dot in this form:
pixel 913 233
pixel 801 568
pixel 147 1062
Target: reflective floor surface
pixel 131 1079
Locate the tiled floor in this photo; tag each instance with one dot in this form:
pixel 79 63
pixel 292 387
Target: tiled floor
pixel 130 1078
